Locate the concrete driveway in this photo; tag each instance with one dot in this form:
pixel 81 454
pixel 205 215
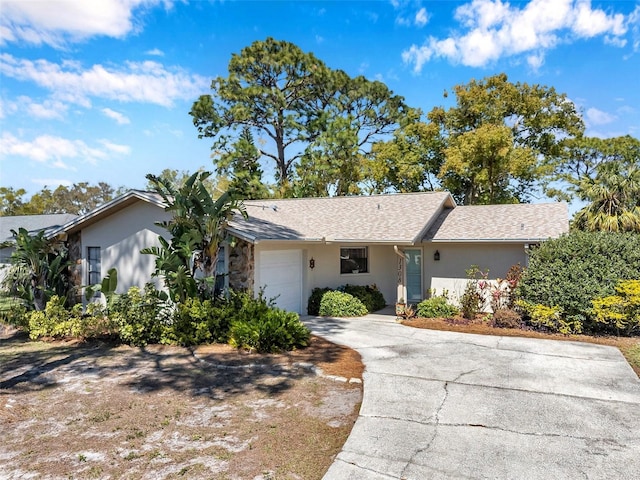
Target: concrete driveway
pixel 451 405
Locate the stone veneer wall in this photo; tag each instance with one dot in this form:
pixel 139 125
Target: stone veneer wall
pixel 241 266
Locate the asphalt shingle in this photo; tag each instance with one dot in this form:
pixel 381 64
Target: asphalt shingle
pixel 522 221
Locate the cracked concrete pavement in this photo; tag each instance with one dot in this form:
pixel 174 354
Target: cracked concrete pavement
pixel 442 405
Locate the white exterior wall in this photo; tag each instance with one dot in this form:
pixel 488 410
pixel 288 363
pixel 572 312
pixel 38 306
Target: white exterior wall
pixel 120 237
pixel 326 273
pixel 449 272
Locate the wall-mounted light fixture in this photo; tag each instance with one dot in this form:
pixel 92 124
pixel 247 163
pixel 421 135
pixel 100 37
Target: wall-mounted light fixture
pixel 312 263
pixel 436 256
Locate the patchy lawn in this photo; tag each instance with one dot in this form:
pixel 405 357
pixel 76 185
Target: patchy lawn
pixel 629 346
pixel 93 410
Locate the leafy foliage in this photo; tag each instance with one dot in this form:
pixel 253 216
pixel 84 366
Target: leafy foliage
pixel 472 300
pixel 369 295
pixel 197 230
pixel 274 331
pixel 571 271
pixel 620 312
pixel 309 115
pixel 500 138
pixel 77 199
pixel 340 304
pixel 141 316
pixel 436 307
pixel 313 305
pixel 55 321
pixel 614 196
pixel 552 319
pixel 38 268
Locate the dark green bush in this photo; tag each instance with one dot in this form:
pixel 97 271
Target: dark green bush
pixel 273 331
pixel 369 295
pixel 201 321
pixel 436 307
pixel 142 317
pixel 313 305
pixel 571 271
pixel 340 304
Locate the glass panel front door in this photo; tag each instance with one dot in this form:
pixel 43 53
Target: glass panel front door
pixel 413 259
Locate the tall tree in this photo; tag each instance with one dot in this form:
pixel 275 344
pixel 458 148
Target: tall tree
pixel 188 260
pixel 614 196
pixel 78 199
pixel 291 101
pixel 241 164
pixel 582 159
pixel 408 162
pixel 11 202
pixel 501 138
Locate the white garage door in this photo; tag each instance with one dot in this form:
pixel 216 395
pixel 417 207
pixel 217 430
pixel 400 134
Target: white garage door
pixel 281 274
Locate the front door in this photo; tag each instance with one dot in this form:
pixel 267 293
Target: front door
pixel 413 261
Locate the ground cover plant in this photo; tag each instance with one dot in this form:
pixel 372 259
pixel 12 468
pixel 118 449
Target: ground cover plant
pixel 92 410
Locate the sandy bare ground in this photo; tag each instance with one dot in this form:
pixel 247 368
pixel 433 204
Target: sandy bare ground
pixel 74 410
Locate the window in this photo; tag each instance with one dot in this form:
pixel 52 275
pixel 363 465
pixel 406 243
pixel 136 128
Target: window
pixel 94 273
pixel 221 271
pixel 354 260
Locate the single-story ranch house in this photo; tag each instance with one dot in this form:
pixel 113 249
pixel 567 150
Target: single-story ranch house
pixel 406 244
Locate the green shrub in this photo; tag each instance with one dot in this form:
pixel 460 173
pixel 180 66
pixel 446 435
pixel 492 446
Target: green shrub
pixel 436 307
pixel 369 295
pixel 273 331
pixel 201 321
pixel 549 319
pixel 54 321
pixel 620 312
pixel 142 317
pixel 13 311
pixel 571 271
pixel 506 318
pixel 340 304
pixel 313 305
pixel 471 300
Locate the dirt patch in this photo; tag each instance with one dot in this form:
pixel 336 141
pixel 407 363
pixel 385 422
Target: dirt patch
pixel 92 410
pixel 629 346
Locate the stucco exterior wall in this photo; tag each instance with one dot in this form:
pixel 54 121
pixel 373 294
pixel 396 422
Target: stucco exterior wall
pixel 449 273
pixel 120 237
pixel 326 272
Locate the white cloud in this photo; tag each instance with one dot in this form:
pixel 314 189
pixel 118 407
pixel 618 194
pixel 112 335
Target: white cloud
pixel 53 151
pixel 117 116
pixel 421 17
pixel 116 148
pixel 598 117
pixel 47 110
pixel 156 52
pixel 147 82
pixel 492 29
pixel 57 22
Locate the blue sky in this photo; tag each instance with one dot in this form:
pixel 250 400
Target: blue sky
pixel 101 90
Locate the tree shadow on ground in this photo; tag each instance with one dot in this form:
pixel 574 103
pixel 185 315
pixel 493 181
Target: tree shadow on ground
pixel 32 366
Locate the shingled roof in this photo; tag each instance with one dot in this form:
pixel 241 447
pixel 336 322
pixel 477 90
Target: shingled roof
pixel 514 222
pixel 392 219
pixel 32 223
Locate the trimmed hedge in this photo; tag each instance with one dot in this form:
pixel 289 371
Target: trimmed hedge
pixel 369 295
pixel 340 304
pixel 436 307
